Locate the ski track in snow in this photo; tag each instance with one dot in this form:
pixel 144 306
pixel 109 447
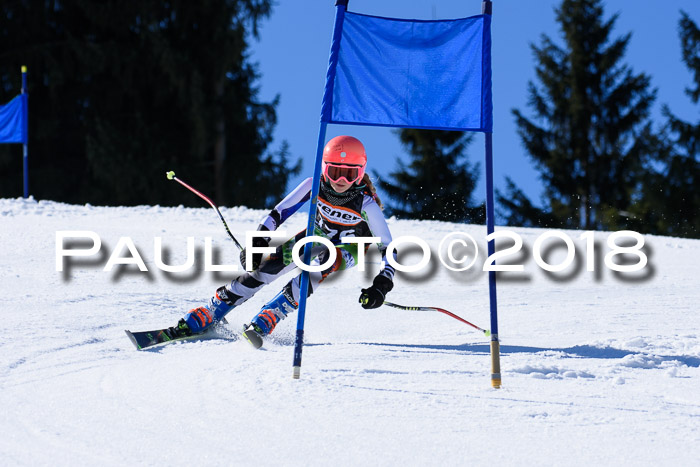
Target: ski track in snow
pixel 597 368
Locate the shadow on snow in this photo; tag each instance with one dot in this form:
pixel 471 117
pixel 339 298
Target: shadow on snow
pixel 577 351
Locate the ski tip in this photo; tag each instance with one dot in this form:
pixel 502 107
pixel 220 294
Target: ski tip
pixel 253 337
pixel 132 339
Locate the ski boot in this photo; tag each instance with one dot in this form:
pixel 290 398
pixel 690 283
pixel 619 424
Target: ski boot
pixel 202 318
pixel 269 315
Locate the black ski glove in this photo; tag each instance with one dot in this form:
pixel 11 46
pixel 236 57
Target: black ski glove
pixel 373 297
pixel 257 257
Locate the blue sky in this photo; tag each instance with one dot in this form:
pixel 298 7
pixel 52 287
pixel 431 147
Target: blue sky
pixel 292 57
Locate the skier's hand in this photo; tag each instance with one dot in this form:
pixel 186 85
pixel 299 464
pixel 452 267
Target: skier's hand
pixel 373 296
pixel 257 257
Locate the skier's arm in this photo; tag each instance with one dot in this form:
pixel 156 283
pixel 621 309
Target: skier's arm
pixel 288 206
pixel 285 208
pixel 379 228
pixel 373 296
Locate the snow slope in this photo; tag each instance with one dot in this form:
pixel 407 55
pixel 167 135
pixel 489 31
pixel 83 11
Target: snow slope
pixel 598 368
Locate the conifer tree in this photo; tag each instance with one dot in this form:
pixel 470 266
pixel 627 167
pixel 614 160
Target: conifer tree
pixel 438 183
pixel 672 194
pixel 590 138
pixel 121 92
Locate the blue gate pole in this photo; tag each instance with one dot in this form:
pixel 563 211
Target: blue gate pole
pixel 341 6
pixel 486 9
pixel 25 117
pixel 495 346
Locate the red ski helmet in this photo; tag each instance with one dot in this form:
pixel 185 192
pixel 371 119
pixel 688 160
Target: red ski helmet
pixel 344 157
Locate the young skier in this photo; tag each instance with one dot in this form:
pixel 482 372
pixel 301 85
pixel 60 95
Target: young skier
pixel 347 206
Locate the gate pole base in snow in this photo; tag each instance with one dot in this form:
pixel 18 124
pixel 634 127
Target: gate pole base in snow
pixel 495 363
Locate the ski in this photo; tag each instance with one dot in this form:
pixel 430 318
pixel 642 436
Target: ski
pixel 145 339
pixel 252 336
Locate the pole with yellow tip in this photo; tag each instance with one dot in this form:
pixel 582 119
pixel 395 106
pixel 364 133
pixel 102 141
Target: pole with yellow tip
pixel 25 132
pixel 495 363
pixel 487 11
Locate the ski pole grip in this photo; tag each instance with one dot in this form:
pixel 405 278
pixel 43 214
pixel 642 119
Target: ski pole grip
pixel 170 175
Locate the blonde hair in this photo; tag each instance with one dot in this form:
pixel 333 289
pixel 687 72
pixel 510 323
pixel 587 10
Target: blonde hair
pixel 373 191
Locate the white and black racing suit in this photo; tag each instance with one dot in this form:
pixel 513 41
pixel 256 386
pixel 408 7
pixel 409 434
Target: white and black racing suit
pixel 354 213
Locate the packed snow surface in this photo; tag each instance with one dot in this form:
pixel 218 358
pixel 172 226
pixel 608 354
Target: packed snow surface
pixel 599 368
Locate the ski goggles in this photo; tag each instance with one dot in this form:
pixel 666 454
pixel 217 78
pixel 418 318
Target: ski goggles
pixel 337 172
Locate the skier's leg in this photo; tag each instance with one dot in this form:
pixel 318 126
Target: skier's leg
pixel 239 290
pixel 274 311
pixel 287 300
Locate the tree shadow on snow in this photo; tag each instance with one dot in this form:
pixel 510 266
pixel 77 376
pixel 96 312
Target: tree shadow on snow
pixel 577 351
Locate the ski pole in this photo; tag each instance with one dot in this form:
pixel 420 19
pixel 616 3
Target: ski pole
pixel 441 310
pixel 171 176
